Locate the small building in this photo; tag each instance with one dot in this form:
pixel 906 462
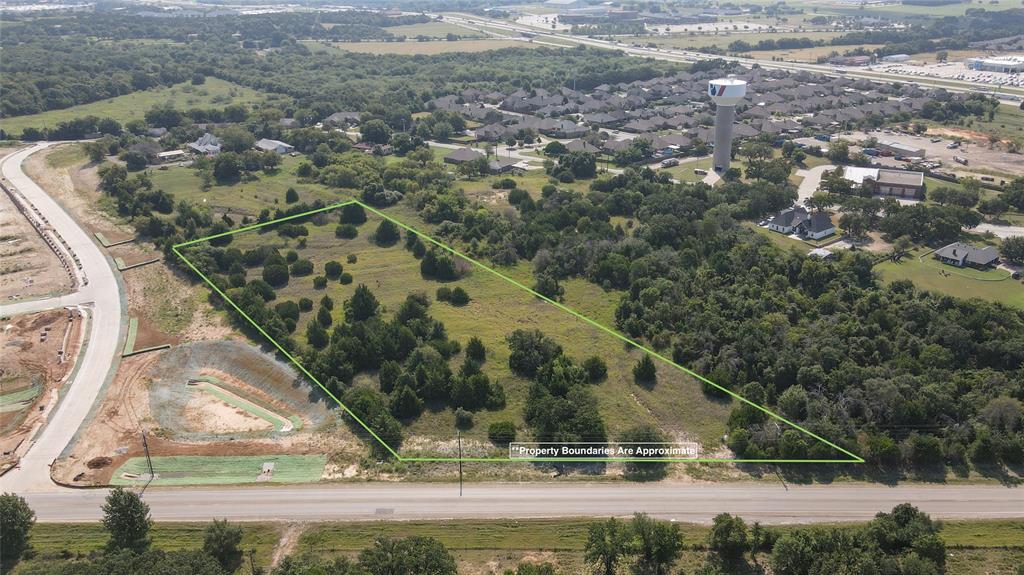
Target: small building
pixel 961 255
pixel 799 221
pixel 207 145
pixel 896 58
pixel 267 145
pixel 898 149
pixel 462 156
pixel 850 61
pixel 342 119
pixel 170 156
pixel 503 166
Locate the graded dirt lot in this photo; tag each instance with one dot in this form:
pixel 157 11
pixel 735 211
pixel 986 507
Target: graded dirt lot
pixel 37 352
pixel 28 268
pixel 976 149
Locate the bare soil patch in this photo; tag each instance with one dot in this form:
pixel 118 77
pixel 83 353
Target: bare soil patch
pixel 205 412
pixel 37 353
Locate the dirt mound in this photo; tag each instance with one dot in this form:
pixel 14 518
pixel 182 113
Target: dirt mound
pixel 99 462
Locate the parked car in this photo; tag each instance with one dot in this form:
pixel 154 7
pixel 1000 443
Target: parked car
pixel 669 163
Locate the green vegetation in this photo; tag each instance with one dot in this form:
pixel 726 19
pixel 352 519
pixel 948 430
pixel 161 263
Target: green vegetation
pixel 213 92
pixel 221 470
pixel 928 274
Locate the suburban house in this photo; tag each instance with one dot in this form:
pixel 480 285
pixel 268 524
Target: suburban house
pixel 207 144
pixel 960 255
pixel 581 146
pixel 899 183
pixel 503 166
pixel 798 220
pixel 266 145
pixel 462 156
pixel 342 119
pixel 378 149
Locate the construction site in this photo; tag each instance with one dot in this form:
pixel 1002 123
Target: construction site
pixel 38 355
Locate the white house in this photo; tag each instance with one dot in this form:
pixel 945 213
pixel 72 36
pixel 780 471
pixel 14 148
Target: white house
pixel 798 220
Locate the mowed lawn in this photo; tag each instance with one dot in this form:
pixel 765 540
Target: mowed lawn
pixel 499 307
pixel 214 93
pixel 243 198
pixel 929 274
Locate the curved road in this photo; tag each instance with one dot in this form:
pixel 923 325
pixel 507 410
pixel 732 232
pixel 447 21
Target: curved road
pixel 769 502
pixel 99 292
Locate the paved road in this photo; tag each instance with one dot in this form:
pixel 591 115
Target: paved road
pixel 811 179
pixel 765 502
pixel 102 295
pixel 1001 231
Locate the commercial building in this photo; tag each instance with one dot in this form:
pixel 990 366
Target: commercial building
pixel 1005 64
pixel 898 149
pixel 896 58
pixel 851 60
pixel 885 182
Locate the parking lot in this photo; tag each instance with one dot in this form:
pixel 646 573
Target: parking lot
pixel 952 71
pixel 977 154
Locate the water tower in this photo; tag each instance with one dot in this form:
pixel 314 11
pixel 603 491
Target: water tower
pixel 725 93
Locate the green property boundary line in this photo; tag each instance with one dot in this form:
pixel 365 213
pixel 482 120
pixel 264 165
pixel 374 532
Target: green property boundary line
pixel 853 458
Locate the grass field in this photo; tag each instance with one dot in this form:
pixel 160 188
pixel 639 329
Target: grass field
pixel 432 30
pixel 412 47
pixel 926 273
pixel 214 93
pixel 222 470
pixel 244 198
pixel 973 547
pixel 53 540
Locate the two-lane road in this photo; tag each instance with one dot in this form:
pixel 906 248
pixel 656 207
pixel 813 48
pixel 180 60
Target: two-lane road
pixel 767 502
pixel 99 358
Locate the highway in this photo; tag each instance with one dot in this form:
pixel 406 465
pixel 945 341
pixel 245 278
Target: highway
pixel 99 293
pixel 768 502
pixel 474 22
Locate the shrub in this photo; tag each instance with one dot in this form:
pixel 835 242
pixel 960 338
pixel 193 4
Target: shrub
pixel 319 282
pixel 645 372
pixel 387 233
pixel 475 349
pixel 502 432
pixel 302 268
pixel 346 231
pixel 276 275
pixel 306 304
pixel 463 419
pixel 352 258
pixel 345 279
pixel 459 296
pixel 291 196
pixel 332 269
pixel 444 293
pixel 596 368
pixel 352 214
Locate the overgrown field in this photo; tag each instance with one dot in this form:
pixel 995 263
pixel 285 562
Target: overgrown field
pixel 498 306
pixel 213 93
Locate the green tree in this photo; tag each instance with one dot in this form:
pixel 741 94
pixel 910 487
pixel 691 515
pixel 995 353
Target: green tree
pixel 596 368
pixel 387 233
pixel 645 372
pixel 502 432
pixel 409 556
pixel 637 437
pixel 658 545
pixel 728 538
pixel 375 132
pixel 291 196
pixel 363 304
pixel 608 543
pixel 221 541
pixel 352 214
pixel 1013 249
pixel 475 349
pixel 126 518
pixel 16 521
